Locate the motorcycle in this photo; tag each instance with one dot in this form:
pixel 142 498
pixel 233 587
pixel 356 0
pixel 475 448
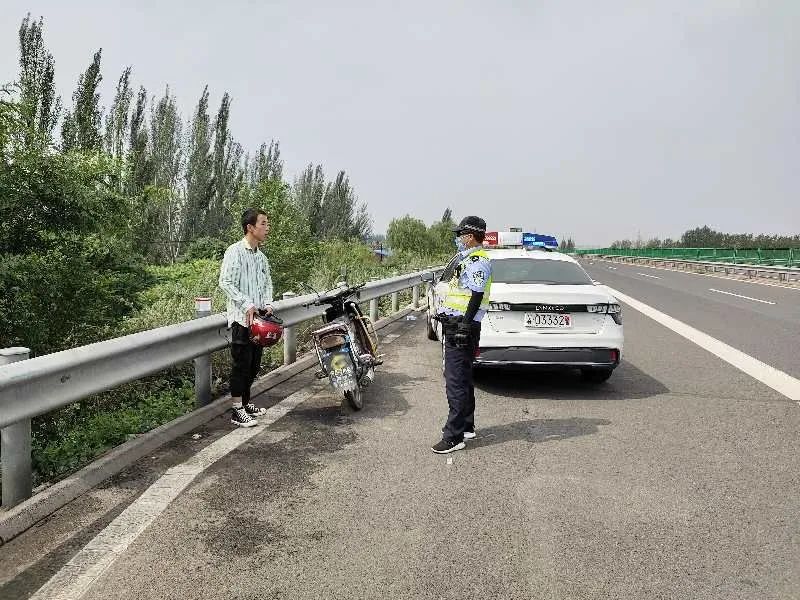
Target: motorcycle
pixel 347 345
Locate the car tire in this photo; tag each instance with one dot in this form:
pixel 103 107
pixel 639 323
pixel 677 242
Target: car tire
pixel 596 375
pixel 431 329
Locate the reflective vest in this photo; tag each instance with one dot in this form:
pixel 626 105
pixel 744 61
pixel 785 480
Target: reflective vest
pixel 458 297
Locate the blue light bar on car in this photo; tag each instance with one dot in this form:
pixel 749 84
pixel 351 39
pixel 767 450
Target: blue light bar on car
pixel 539 239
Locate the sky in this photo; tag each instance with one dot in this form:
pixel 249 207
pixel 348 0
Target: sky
pixel 595 120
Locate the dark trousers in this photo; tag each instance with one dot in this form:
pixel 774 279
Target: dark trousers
pixel 246 362
pixel 459 386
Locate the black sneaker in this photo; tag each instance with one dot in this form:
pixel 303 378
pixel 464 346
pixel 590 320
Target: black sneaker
pixel 447 446
pixel 253 410
pixel 469 435
pixel 240 418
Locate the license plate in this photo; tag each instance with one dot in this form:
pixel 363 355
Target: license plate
pixel 548 320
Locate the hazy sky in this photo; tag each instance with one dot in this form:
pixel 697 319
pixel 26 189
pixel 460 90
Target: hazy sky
pixel 598 120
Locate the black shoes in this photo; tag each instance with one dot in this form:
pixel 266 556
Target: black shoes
pixel 253 410
pixel 447 446
pixel 240 418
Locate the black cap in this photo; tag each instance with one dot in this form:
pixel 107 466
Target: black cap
pixel 471 224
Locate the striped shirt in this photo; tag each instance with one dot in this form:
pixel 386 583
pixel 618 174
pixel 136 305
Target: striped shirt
pixel 245 278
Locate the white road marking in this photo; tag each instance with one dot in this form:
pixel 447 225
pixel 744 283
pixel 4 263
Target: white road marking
pixel 650 276
pixel 78 575
pixel 740 296
pixel 613 268
pixel 770 376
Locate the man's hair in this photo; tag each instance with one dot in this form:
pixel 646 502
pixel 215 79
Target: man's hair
pixel 250 217
pixel 479 236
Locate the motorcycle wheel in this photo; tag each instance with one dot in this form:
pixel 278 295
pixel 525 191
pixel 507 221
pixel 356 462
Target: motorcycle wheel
pixel 354 398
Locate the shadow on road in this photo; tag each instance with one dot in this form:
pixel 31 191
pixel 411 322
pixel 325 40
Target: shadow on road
pixel 627 383
pixel 385 398
pixel 536 431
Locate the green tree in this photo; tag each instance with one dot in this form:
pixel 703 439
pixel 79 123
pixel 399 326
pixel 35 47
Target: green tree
pixel 409 234
pixel 308 193
pixel 118 118
pixel 40 108
pixel 199 171
pixel 291 248
pixel 81 128
pixel 10 121
pixel 267 164
pixel 341 216
pixel 51 193
pixel 165 166
pixel 568 245
pixel 139 164
pixel 223 174
pixel 622 245
pixel 441 234
pixel 67 270
pixel 166 142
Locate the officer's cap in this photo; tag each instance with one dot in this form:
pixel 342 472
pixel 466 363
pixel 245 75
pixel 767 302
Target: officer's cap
pixel 471 224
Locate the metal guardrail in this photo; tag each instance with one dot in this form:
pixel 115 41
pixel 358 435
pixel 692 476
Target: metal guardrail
pixel 33 387
pixel 775 257
pixel 784 274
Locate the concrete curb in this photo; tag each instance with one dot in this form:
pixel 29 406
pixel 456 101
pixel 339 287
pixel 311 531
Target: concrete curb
pixel 26 514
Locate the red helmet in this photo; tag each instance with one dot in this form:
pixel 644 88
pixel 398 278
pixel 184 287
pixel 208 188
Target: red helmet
pixel 265 331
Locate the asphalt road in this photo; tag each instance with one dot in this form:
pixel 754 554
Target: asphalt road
pixel 677 478
pixel 761 320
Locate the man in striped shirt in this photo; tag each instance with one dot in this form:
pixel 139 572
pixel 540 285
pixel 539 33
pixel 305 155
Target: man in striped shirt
pixel 245 278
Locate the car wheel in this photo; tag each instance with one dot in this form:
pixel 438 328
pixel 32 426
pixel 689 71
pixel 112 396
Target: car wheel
pixel 431 329
pixel 596 375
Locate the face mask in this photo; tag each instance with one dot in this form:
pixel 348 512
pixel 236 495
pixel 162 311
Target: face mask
pixel 460 244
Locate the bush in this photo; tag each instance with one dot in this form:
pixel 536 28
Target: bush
pixel 72 291
pixel 205 247
pixel 83 432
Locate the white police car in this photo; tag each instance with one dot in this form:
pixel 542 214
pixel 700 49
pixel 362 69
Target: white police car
pixel 544 311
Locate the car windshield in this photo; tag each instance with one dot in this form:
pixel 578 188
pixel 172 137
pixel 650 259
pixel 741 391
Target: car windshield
pixel 530 270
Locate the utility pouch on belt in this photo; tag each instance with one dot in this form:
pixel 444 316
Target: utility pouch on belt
pixel 449 323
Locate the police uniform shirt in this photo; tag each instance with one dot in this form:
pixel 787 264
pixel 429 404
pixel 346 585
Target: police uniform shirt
pixel 473 277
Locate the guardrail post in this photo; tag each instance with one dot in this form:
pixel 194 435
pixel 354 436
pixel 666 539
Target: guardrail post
pixel 202 364
pixel 395 299
pixel 373 305
pixel 415 296
pixel 15 446
pixel 289 338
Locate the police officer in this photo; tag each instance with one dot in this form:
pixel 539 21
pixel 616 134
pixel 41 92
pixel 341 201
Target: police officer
pixel 460 314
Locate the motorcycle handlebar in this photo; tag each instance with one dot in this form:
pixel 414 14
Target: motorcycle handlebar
pixel 330 299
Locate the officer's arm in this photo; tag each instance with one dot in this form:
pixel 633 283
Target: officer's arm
pixel 478 273
pixel 473 306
